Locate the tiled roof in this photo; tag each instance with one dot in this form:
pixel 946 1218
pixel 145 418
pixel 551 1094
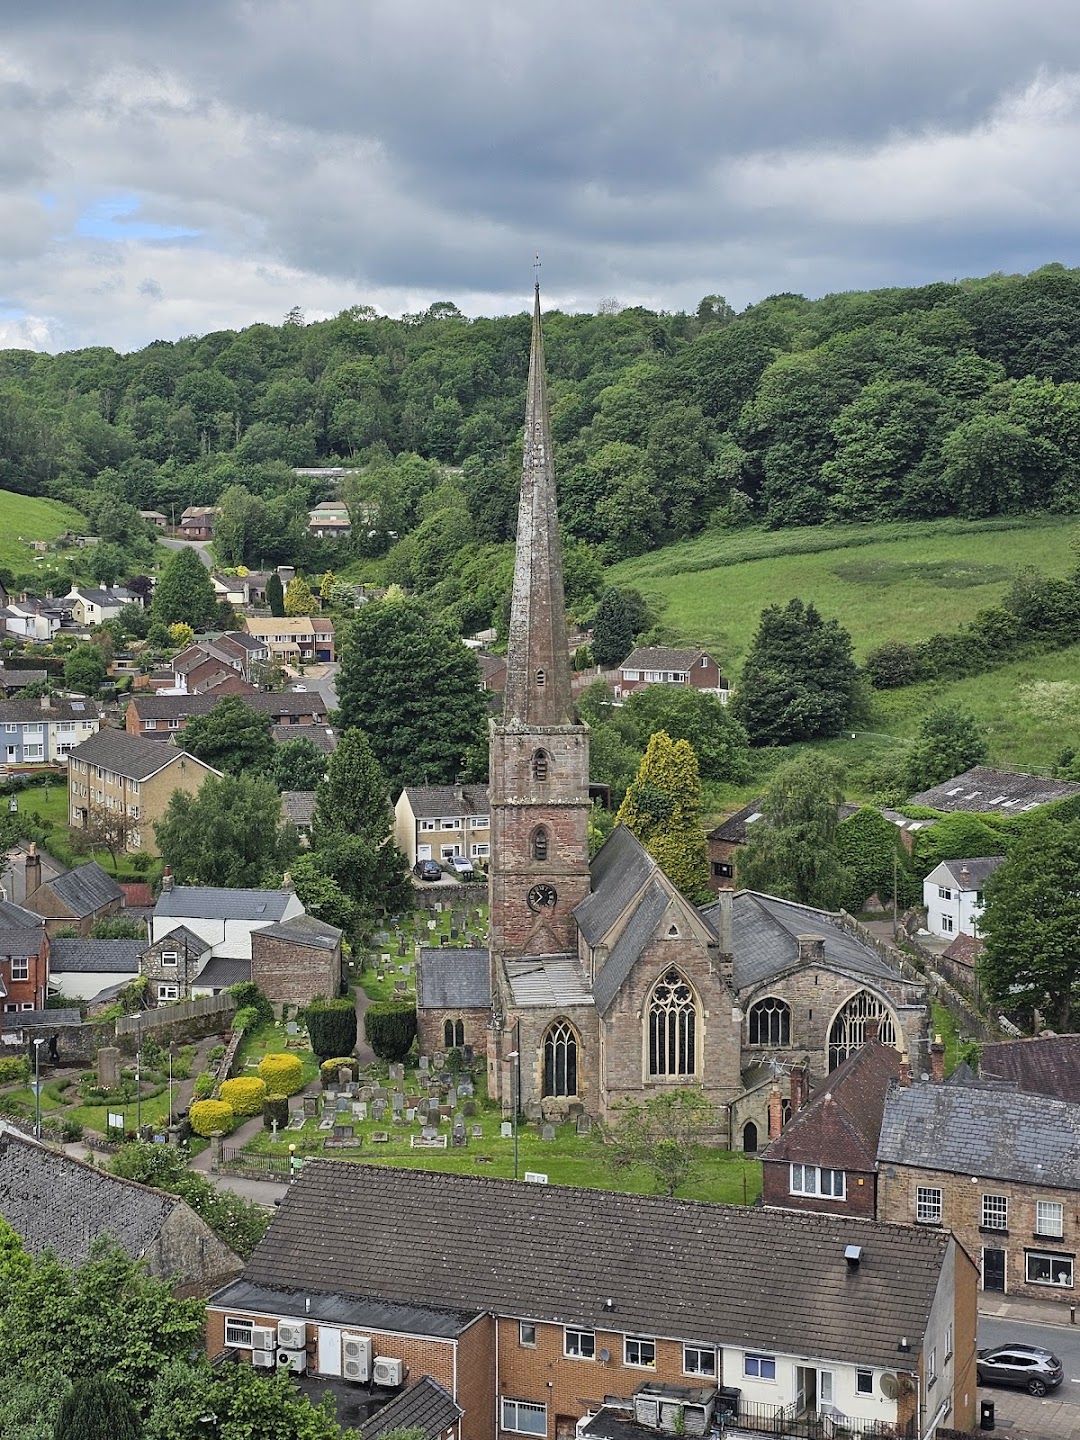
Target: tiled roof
pixel 1044 1065
pixel 116 596
pixel 321 736
pixel 631 944
pixel 40 1019
pixel 983 790
pixel 966 1130
pixel 298 806
pixel 207 902
pixel 19 679
pixel 95 957
pixel 131 755
pixel 454 978
pixel 432 801
pixel 14 711
pixel 425 1406
pixel 221 971
pixel 660 657
pixel 16 917
pixel 733 827
pixel 303 930
pixel 548 981
pixel 84 890
pixel 181 937
pixel 179 707
pixel 672 1268
pixel 620 869
pixel 964 950
pixel 840 1126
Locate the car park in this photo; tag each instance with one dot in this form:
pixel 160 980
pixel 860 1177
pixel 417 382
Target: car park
pixel 427 870
pixel 1026 1367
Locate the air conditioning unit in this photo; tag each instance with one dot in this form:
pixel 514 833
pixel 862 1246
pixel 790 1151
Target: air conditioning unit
pixel 263 1359
pixel 292 1360
pixel 291 1334
pixel 355 1357
pixel 262 1337
pixel 387 1372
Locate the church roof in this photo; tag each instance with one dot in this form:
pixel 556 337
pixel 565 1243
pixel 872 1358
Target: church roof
pixel 454 978
pixel 547 980
pixel 627 950
pixel 620 870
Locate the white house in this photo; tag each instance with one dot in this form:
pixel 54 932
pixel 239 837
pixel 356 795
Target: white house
pixel 81 968
pixel 36 620
pixel 953 895
pixel 436 822
pixel 225 919
pixel 94 607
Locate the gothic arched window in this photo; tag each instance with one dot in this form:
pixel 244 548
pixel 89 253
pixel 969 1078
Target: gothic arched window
pixel 847 1033
pixel 672 1019
pixel 453 1034
pixel 540 843
pixel 540 765
pixel 770 1022
pixel 560 1059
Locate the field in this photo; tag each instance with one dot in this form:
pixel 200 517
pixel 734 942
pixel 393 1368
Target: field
pixel 24 518
pixel 883 582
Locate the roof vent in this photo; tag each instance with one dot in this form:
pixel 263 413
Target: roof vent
pixel 853 1254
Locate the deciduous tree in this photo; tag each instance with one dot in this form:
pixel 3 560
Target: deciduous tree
pixel 230 833
pixel 85 670
pixel 298 597
pixel 791 851
pixel 799 681
pixel 949 743
pixel 663 1135
pixel 231 737
pixel 185 592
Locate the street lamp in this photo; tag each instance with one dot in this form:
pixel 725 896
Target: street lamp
pixel 37 1087
pixel 515 1096
pixel 138 1076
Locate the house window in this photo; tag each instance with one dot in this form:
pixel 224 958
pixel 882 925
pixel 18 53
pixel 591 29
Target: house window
pixel 527 1335
pixel 452 823
pixel 672 1027
pixel 1050 1218
pixel 149 724
pixel 928 1204
pixel 480 822
pixel 931 1368
pixel 816 1180
pixel 168 992
pixel 943 893
pixel 454 1034
pixel 32 752
pixel 759 1367
pixel 1048 1269
pixel 697 1360
pixel 770 1022
pixel 560 1060
pixel 580 1344
pixel 848 1031
pixel 540 844
pixel 480 852
pixel 948 1343
pixel 540 765
pixel 640 1353
pixel 239 1332
pixel 946 924
pixel 20 967
pixel 722 871
pixel 170 957
pixel 864 1382
pixel 995 1212
pixel 523 1417
pixel 429 824
pixel 11 729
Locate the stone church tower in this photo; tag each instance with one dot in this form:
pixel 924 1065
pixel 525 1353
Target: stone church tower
pixel 539 766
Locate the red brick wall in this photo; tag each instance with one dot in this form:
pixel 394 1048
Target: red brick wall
pixel 776 1190
pixel 476 1379
pixel 33 990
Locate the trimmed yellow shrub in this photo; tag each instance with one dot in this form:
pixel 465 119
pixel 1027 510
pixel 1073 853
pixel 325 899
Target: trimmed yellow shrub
pixel 283 1074
pixel 328 1070
pixel 211 1117
pixel 245 1094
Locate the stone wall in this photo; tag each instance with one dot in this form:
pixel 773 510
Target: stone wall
pixel 289 974
pixel 465 896
pixel 430 1033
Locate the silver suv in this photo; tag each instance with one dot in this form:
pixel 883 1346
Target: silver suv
pixel 1028 1367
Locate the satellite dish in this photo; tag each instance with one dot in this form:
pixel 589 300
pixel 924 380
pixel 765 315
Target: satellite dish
pixel 890 1385
pixel 603 1356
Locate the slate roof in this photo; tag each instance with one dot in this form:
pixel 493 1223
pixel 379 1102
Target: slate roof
pixel 17 917
pixel 732 828
pixel 556 1254
pixel 351 1311
pixel 208 902
pixel 40 1019
pixel 19 679
pixel 979 869
pixel 1045 1065
pixel 178 937
pixel 304 930
pixel 839 1127
pixel 454 978
pixel 321 736
pixel 95 957
pixel 548 980
pixel 982 790
pixel 54 1202
pixel 14 711
pixel 116 596
pixel 432 801
pixel 180 707
pixel 132 755
pixel 661 657
pixel 221 971
pixel 298 806
pixel 619 870
pixel 633 940
pixel 425 1406
pixel 15 922
pixel 967 1130
pixel 84 890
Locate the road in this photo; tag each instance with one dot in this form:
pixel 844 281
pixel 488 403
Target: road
pixel 201 548
pixel 1063 1340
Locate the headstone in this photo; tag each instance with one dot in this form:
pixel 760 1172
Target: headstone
pixel 506 1129
pixel 410 1115
pixel 428 1132
pixel 311 1106
pixel 397 1072
pixel 378 1110
pixel 548 1132
pixel 469 1108
pixel 584 1125
pixel 458 1134
pixel 476 1131
pixel 440 1060
pixel 425 1064
pixel 352 1089
pixel 344 1075
pixel 397 1102
pixel 400 986
pixel 467 1053
pixel 327 1121
pixel 360 1109
pixel 108 1067
pixel 296 1120
pixel 453 932
pixel 451 1095
pixel 380 1137
pixel 380 1093
pixel 343 1102
pixel 466 1087
pixel 398 1117
pixel 431 924
pixel 343 1132
pixel 367 1092
pixel 438 907
pixel 446 1112
pixel 292 1028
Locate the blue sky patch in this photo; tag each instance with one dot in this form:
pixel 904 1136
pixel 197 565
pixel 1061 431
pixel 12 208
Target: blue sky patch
pixel 114 219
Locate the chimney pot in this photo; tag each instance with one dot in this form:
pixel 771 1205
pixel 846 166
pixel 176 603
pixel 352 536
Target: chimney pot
pixel 166 880
pixel 937 1060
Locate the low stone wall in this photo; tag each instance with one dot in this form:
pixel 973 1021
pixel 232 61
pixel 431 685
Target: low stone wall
pixel 461 896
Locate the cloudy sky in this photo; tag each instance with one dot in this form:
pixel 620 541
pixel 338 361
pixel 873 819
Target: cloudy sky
pixel 170 167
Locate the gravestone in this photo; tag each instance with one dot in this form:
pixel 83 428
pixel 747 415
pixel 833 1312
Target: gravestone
pixel 453 932
pixel 108 1067
pixel 429 1132
pixel 431 924
pixel 452 1095
pixel 440 1059
pixel 458 1135
pixel 425 1064
pixel 311 1106
pixel 446 1112
pixel 506 1129
pixel 380 1093
pixel 360 1109
pixel 292 1028
pixel 296 1120
pixel 380 1137
pixel 469 1108
pixel 342 1102
pixel 367 1092
pixel 400 986
pixel 397 1071
pixel 344 1075
pixel 398 1117
pixel 352 1089
pixel 466 1087
pixel 410 1115
pixel 327 1121
pixel 343 1132
pixel 548 1132
pixel 467 1053
pixel 378 1110
pixel 476 1131
pixel 397 1102
pixel 584 1125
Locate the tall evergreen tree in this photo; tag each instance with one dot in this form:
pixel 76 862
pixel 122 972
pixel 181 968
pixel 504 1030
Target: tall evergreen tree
pixel 799 681
pixel 275 595
pixel 663 808
pixel 792 849
pixel 298 597
pixel 185 592
pixel 612 633
pixel 353 797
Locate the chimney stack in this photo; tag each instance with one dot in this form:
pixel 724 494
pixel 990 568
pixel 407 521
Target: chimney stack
pixel 32 871
pixel 166 880
pixel 776 1111
pixel 799 1087
pixel 726 940
pixel 44 702
pixel 459 791
pixel 811 949
pixel 287 883
pixel 905 1069
pixel 872 1029
pixel 937 1060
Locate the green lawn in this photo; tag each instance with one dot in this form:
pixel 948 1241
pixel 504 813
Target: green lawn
pixel 892 581
pixel 51 804
pixel 24 518
pixel 270 1039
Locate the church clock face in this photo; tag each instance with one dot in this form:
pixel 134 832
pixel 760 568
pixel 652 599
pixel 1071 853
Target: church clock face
pixel 542 897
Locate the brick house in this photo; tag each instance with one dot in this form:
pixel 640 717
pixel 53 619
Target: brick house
pixel 157 717
pixel 998 1168
pixel 724 841
pixel 197 522
pixel 297 959
pixel 453 989
pixel 662 665
pixel 116 770
pixel 24 959
pixel 73 899
pixel 433 822
pixel 532 1304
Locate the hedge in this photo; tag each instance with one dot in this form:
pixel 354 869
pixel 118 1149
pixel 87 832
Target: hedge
pixel 275 1107
pixel 328 1070
pixel 331 1027
pixel 283 1074
pixel 248 996
pixel 245 1094
pixel 14 1067
pixel 211 1117
pixel 390 1028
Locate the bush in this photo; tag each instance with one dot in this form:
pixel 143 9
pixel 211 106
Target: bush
pixel 245 1019
pixel 331 1027
pixel 245 1094
pixel 390 1028
pixel 275 1107
pixel 248 996
pixel 283 1074
pixel 71 1132
pixel 893 664
pixel 215 1054
pixel 204 1086
pixel 328 1070
pixel 211 1117
pixel 14 1069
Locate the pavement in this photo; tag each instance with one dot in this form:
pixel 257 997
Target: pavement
pixel 1033 1322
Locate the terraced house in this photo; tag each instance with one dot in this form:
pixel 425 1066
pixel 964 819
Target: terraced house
pixel 45 731
pixel 116 771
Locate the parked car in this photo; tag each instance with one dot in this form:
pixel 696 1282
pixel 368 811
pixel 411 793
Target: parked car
pixel 462 865
pixel 1028 1367
pixel 427 870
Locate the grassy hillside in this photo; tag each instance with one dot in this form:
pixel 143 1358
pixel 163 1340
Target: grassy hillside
pixel 892 581
pixel 24 518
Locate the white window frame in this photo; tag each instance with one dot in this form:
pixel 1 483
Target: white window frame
pixel 1050 1219
pixel 11 729
pixel 20 967
pixel 947 924
pixel 149 724
pixel 426 825
pixel 818 1180
pixel 643 1348
pixel 170 958
pixel 864 1382
pixel 480 851
pixel 699 1360
pixel 928 1207
pixel 931 1368
pixel 579 1344
pixel 168 992
pixel 1051 1258
pixel 480 822
pixel 514 1412
pixel 995 1213
pixel 527 1334
pixel 234 1326
pixel 944 893
pixel 451 822
pixel 758 1366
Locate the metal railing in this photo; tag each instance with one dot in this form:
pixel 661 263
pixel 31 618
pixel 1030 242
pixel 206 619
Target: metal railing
pixel 801 1424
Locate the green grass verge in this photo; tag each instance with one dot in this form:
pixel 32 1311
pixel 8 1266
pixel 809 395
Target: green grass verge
pixel 270 1039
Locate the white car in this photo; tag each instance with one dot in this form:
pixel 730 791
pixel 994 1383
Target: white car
pixel 461 866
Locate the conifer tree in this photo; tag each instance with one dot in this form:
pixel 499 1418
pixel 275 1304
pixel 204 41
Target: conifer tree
pixel 326 587
pixel 613 633
pixel 275 595
pixel 298 597
pixel 663 809
pixel 185 592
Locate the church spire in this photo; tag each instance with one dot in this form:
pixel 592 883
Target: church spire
pixel 537 661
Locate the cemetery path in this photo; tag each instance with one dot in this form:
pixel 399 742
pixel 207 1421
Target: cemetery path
pixel 364 1052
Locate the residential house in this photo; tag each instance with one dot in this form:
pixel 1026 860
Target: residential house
pixel 454 1008
pixel 296 959
pixel 197 522
pixel 298 808
pixel 435 822
pixel 663 665
pixel 24 959
pixel 58 1204
pixel 998 1168
pixel 206 663
pixel 329 521
pixel 46 730
pixel 225 919
pixel 158 717
pixel 12 681
pixel 155 518
pixel 321 736
pixel 81 969
pixel 38 621
pixel 94 607
pixel 171 964
pixel 295 640
pixel 983 791
pixel 132 774
pixel 867 1325
pixel 1039 1065
pixel 953 895
pixel 492 672
pixel 72 900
